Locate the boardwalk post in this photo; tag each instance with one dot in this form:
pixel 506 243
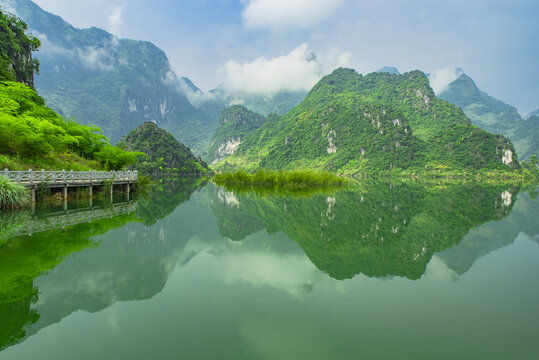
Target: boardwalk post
pixel 64 191
pixel 31 176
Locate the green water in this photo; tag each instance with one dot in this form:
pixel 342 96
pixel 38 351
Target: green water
pixel 192 271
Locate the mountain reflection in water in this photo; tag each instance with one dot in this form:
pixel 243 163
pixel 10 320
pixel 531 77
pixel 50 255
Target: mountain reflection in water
pixel 378 229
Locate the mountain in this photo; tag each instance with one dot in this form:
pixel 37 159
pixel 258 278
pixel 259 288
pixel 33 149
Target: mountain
pixel 163 152
pixel 116 84
pixel 493 115
pixel 389 70
pixel 536 112
pixel 350 123
pixel 235 123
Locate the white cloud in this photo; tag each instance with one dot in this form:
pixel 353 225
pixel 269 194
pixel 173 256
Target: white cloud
pixel 278 14
pixel 294 274
pixel 440 79
pixel 115 19
pixel 196 98
pixel 96 58
pixel 298 70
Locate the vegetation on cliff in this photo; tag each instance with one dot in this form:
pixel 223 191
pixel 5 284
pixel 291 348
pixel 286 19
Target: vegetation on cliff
pixel 16 63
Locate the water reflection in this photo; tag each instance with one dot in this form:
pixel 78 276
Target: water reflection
pixel 110 273
pixel 380 229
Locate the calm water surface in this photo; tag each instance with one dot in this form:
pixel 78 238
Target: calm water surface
pixel 395 271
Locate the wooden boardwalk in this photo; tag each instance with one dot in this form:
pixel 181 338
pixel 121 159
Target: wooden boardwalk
pixel 65 179
pixel 32 178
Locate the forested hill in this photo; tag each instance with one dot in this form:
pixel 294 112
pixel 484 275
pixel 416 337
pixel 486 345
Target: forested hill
pixel 494 115
pixel 164 154
pixel 116 84
pixel 235 123
pixel 381 121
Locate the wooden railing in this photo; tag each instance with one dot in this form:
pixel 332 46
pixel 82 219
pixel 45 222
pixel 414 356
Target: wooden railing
pixel 66 177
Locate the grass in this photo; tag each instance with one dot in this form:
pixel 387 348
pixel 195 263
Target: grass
pixel 12 195
pixel 284 179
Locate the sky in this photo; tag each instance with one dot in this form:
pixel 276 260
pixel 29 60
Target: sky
pixel 267 44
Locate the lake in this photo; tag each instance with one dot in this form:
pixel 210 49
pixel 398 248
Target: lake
pixel 190 270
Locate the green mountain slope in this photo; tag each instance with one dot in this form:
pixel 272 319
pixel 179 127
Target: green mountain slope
pixel 493 115
pixel 163 152
pixel 116 84
pixel 235 123
pixel 380 121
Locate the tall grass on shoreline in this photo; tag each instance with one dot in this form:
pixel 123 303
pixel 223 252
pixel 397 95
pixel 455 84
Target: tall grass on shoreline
pixel 12 195
pixel 282 178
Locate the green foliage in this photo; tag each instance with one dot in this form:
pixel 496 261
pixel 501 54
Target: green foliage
pixel 16 63
pixel 12 195
pixel 162 153
pixel 32 131
pixel 351 123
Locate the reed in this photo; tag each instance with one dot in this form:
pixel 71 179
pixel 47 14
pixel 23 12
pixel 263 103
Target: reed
pixel 12 195
pixel 281 178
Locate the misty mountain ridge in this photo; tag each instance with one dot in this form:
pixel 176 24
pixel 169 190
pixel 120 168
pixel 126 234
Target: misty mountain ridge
pixel 492 114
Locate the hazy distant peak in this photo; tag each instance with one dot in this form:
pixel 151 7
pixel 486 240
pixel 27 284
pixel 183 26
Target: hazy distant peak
pixel 389 69
pixel 440 79
pixel 190 85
